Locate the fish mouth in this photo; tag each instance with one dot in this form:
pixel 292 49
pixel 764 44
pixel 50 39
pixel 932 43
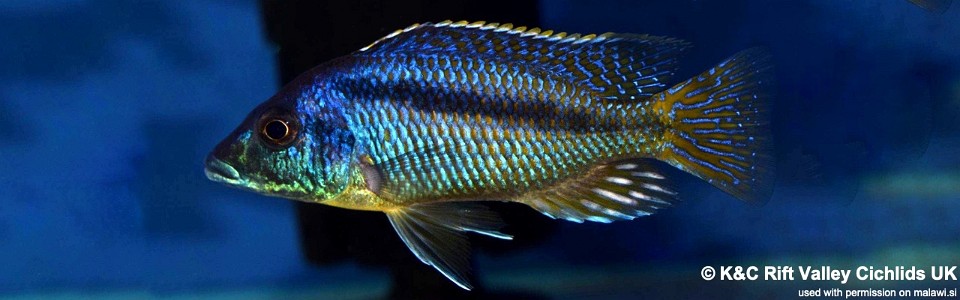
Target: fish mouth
pixel 219 171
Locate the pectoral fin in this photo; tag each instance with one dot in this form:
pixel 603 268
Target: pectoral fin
pixel 435 234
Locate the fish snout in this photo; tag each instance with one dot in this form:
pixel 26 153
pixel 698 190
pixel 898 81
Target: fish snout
pixel 219 171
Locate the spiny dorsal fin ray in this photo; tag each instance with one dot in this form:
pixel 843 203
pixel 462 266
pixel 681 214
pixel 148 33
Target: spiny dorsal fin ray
pixel 618 190
pixel 615 66
pixel 434 233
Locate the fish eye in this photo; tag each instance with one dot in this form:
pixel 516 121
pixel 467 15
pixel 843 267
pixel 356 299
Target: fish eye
pixel 278 128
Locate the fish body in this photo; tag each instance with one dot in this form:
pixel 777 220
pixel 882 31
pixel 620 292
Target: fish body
pixel 474 129
pixel 429 120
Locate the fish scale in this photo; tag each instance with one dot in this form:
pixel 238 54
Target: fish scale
pixel 434 115
pixel 398 127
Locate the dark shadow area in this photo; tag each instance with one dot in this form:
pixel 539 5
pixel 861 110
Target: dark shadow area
pixel 941 82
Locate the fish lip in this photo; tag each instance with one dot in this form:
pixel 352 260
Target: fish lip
pixel 219 171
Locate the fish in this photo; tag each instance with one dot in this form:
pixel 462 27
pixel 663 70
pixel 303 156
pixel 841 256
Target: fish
pixel 430 121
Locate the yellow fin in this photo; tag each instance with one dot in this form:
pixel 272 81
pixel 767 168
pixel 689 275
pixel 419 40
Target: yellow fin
pixel 718 125
pixel 618 190
pixel 434 233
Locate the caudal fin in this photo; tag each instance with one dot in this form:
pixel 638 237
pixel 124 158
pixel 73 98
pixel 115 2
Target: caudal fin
pixel 718 125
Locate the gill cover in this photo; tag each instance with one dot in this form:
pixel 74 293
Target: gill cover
pixel 293 147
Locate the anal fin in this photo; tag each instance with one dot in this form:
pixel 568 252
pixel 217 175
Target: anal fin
pixel 434 232
pixel 618 190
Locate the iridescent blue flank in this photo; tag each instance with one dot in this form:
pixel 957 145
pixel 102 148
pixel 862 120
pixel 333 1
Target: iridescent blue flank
pixel 438 114
pixel 470 112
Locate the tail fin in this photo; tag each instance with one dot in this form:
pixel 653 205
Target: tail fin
pixel 717 125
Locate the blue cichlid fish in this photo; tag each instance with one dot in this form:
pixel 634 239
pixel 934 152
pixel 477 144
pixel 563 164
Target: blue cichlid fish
pixel 428 120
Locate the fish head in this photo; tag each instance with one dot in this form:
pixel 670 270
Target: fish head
pixel 292 147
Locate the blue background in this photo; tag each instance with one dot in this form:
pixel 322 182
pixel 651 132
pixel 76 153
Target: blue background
pixel 107 109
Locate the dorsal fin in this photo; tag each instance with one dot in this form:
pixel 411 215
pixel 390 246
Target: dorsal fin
pixel 615 66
